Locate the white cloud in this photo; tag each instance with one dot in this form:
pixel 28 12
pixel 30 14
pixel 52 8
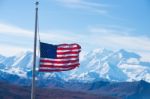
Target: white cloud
pixel 96 37
pixel 111 29
pixel 117 38
pixel 59 36
pixel 83 4
pixel 54 35
pixel 10 30
pixel 15 39
pixel 115 41
pixel 10 50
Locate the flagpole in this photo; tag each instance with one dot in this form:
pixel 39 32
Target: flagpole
pixel 34 57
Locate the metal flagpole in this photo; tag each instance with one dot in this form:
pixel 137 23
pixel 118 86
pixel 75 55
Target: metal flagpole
pixel 34 57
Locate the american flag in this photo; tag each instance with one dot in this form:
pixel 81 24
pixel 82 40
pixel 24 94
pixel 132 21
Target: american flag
pixel 61 57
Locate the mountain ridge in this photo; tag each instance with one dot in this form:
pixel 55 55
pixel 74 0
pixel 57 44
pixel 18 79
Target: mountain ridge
pixel 99 64
pixel 12 91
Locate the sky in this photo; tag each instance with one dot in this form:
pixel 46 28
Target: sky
pixel 110 24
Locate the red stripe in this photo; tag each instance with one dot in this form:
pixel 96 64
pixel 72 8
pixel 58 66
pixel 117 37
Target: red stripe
pixel 53 66
pixel 56 70
pixel 58 62
pixel 72 48
pixel 70 52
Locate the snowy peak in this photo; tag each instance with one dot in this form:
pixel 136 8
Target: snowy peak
pixel 98 54
pixel 118 65
pixel 2 58
pixel 23 60
pixel 99 64
pixel 125 54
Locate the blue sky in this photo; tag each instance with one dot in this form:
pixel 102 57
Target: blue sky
pixel 111 24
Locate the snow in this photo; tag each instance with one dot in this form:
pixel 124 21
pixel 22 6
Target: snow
pixel 120 65
pixel 133 61
pixel 16 71
pixel 2 58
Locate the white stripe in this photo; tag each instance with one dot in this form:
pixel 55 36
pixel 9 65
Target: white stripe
pixel 67 55
pixel 56 64
pixel 59 59
pixel 75 50
pixel 67 46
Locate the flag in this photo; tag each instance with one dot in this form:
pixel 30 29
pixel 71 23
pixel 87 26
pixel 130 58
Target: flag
pixel 60 57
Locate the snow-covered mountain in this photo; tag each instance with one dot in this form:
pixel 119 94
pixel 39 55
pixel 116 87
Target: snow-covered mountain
pixel 22 60
pixel 117 66
pixel 99 64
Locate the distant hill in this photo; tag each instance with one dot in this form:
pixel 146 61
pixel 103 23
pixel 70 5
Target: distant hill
pixel 124 90
pixel 10 91
pixel 74 90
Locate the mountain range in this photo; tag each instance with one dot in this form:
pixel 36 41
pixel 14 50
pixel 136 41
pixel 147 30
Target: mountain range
pixel 99 64
pixel 121 74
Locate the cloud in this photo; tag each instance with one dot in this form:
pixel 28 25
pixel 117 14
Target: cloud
pixel 15 39
pixel 111 37
pixel 112 29
pixel 139 45
pixel 83 4
pixel 117 38
pixel 10 50
pixel 8 30
pixel 126 42
pixel 23 38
